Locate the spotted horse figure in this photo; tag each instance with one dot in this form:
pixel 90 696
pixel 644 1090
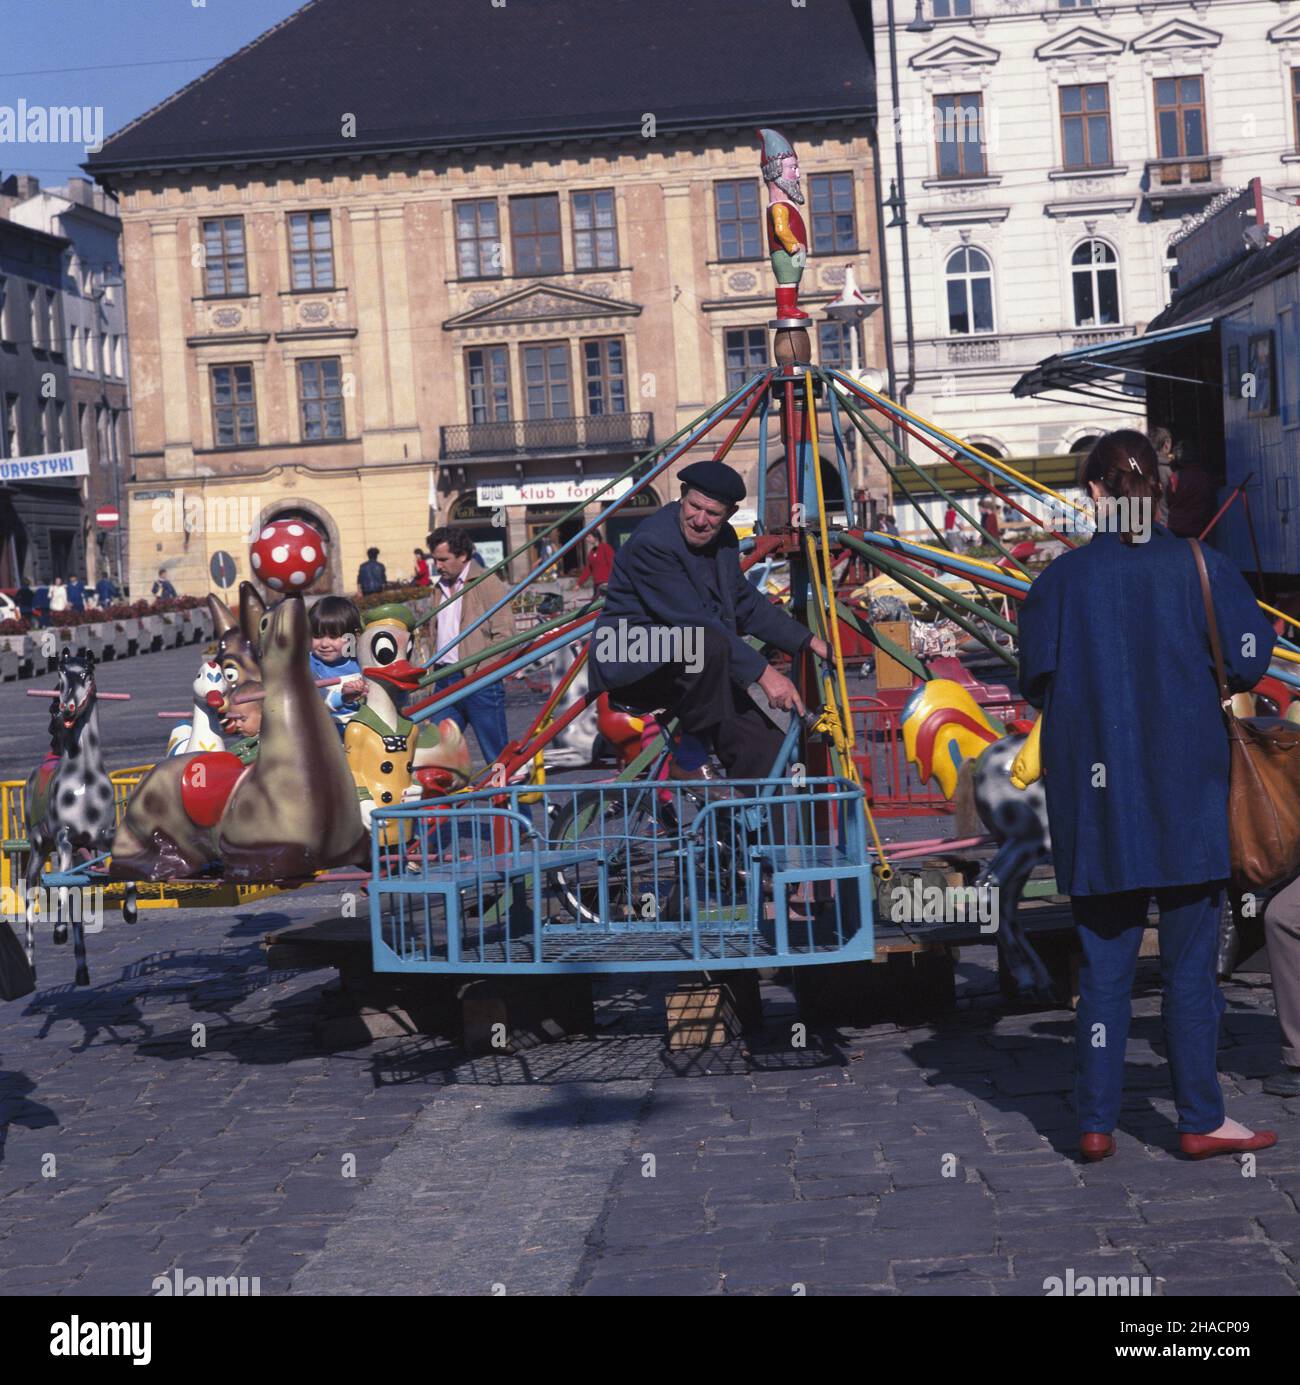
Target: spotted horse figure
pixel 943 729
pixel 68 803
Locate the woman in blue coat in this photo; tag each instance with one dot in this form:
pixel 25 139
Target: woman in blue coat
pixel 1115 648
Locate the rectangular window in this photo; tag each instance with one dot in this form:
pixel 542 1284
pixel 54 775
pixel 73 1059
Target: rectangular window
pixel 52 424
pixel 951 9
pixel 606 375
pixel 487 375
pixel 35 319
pixel 4 308
pixel 320 398
pixel 746 355
pixel 1288 350
pixel 478 240
pixel 740 227
pixel 1295 110
pixel 959 132
pixel 595 236
pixel 75 334
pixel 1074 4
pixel 831 201
pixel 13 441
pixel 535 234
pixel 546 381
pixel 1085 126
pixel 225 270
pixel 1180 117
pixel 53 321
pixel 311 250
pixel 92 351
pixel 234 406
pixel 834 344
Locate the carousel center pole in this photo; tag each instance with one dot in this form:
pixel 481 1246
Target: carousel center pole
pixel 787 244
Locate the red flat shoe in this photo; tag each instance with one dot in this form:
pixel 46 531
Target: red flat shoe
pixel 1095 1146
pixel 1203 1146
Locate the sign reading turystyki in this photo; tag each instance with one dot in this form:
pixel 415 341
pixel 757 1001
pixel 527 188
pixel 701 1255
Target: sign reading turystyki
pixel 50 466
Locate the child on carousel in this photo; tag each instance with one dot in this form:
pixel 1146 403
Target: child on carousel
pixel 335 625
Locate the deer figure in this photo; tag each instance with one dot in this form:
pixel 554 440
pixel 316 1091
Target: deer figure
pixel 943 729
pixel 290 813
pixel 68 801
pixel 236 638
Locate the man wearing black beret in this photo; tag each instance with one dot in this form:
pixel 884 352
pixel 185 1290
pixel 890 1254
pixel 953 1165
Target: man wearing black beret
pixel 671 634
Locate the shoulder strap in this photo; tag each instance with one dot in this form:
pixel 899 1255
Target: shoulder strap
pixel 1224 694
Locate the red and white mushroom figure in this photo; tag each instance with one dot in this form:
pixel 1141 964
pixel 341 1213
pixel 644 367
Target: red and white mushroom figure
pixel 289 555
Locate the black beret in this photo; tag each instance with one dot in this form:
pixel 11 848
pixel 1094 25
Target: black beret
pixel 716 479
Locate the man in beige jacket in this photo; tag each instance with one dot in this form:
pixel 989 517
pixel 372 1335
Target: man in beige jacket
pixel 450 551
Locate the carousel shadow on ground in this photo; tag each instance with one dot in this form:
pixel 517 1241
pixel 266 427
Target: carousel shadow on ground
pixel 18 1109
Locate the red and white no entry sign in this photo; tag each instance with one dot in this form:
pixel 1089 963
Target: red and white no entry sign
pixel 106 518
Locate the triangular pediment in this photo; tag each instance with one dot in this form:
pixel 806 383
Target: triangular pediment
pixel 957 51
pixel 1176 33
pixel 542 303
pixel 1288 29
pixel 1080 42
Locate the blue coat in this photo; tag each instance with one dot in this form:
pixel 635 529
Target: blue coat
pixel 659 580
pixel 1115 648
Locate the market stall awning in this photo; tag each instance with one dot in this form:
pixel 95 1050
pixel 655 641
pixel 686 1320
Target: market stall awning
pixel 1087 368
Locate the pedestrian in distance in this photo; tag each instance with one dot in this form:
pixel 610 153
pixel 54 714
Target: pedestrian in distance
pixel 58 596
pixel 1113 635
pixel 599 565
pixel 106 591
pixel 76 593
pixel 41 604
pixel 420 577
pixel 162 588
pixel 371 577
pixel 26 599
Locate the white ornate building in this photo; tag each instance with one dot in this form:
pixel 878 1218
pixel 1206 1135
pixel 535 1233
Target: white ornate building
pixel 1049 153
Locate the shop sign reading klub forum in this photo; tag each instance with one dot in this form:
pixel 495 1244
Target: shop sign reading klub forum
pixel 564 492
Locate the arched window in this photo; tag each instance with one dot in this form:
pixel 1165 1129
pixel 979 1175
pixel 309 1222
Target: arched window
pixel 970 292
pixel 1094 276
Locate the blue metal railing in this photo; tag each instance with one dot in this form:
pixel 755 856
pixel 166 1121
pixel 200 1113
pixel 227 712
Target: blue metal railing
pixel 624 877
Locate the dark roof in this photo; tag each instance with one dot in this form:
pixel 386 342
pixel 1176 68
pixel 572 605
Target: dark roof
pixel 452 74
pixel 1222 289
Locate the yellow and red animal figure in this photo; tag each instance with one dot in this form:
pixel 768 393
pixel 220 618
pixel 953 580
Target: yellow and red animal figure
pixel 943 728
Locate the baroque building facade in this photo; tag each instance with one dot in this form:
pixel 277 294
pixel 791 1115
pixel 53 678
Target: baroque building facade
pixel 479 329
pixel 1047 156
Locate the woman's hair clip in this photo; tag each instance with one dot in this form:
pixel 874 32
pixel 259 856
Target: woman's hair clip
pixel 1133 462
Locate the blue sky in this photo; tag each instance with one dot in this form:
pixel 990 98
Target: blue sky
pixel 128 55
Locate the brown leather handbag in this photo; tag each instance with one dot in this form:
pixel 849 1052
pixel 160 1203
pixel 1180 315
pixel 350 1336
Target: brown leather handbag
pixel 1263 779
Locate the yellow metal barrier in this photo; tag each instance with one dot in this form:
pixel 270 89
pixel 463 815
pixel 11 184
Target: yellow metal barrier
pixel 188 894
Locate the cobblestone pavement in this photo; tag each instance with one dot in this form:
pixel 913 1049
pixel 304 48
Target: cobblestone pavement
pixel 928 1160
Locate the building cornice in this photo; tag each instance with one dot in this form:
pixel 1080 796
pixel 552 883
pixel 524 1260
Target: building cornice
pixel 105 170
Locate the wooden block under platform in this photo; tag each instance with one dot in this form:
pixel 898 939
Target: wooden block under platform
pixel 329 941
pixel 907 986
pixel 715 1010
pixel 506 1014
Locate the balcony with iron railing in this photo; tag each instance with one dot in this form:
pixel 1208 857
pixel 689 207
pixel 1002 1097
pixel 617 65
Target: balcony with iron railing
pixel 1180 179
pixel 524 437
